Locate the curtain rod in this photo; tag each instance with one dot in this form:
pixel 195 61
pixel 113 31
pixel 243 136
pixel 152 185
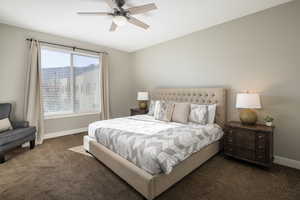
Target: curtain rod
pixel 72 47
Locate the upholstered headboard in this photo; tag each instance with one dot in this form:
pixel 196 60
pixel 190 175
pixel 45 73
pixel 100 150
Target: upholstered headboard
pixel 196 96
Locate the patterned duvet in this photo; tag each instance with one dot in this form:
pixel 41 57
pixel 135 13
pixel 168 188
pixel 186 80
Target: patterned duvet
pixel 153 145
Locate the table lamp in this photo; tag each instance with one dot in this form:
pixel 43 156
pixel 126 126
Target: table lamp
pixel 142 98
pixel 247 102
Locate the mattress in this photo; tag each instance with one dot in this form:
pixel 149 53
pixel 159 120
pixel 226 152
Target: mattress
pixel 152 145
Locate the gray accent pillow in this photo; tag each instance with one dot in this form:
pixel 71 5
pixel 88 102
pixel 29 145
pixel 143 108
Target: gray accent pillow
pixel 5 125
pixel 164 111
pixel 151 107
pixel 199 114
pixel 181 113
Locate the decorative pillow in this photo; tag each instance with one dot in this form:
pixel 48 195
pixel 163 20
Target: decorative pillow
pixel 5 125
pixel 156 108
pixel 181 112
pixel 164 111
pixel 199 114
pixel 152 107
pixel 211 113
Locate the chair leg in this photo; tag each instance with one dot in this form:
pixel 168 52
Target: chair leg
pixel 2 158
pixel 32 144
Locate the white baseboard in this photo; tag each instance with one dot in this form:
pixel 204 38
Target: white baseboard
pixel 64 133
pixel 287 162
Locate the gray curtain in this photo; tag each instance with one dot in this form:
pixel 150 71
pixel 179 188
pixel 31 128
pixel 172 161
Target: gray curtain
pixel 104 86
pixel 33 107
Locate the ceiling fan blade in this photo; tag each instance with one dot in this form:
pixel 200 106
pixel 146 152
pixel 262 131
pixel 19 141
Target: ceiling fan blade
pixel 94 13
pixel 111 4
pixel 138 23
pixel 141 9
pixel 113 27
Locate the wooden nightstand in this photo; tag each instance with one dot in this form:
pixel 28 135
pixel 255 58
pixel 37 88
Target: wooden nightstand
pixel 137 111
pixel 250 143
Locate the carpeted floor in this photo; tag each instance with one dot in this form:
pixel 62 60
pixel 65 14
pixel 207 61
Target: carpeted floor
pixel 52 171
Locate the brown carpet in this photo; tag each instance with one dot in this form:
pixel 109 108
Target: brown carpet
pixel 52 171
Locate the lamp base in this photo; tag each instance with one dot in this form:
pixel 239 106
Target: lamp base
pixel 248 117
pixel 143 105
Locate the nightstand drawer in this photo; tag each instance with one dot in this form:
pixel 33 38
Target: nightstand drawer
pixel 228 137
pixel 137 111
pixel 261 137
pixel 245 153
pixel 228 149
pixel 260 156
pixel 228 140
pixel 261 147
pixel 245 139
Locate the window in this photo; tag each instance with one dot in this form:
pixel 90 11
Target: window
pixel 70 82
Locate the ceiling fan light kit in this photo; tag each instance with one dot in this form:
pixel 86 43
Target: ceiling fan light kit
pixel 120 20
pixel 122 16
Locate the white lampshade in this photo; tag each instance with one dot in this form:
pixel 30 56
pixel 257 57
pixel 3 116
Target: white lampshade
pixel 120 20
pixel 142 96
pixel 248 100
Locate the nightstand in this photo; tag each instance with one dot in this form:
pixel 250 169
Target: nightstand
pixel 250 143
pixel 137 111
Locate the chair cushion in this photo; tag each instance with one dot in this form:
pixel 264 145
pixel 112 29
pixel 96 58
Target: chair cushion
pixel 16 134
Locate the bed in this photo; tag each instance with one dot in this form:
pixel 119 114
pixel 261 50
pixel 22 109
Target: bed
pixel 152 176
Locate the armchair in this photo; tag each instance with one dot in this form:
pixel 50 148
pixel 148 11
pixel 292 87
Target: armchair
pixel 20 134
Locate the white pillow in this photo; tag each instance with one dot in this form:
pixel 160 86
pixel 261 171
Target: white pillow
pixel 211 113
pixel 164 111
pixel 151 108
pixel 199 114
pixel 156 108
pixel 5 125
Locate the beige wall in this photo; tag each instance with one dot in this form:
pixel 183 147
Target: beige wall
pixel 13 51
pixel 260 52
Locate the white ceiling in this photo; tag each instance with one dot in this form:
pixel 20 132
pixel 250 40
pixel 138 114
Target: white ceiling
pixel 174 18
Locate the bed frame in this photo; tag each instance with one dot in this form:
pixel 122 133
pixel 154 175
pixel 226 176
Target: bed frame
pixel 150 186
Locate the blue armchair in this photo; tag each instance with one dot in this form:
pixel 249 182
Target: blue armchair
pixel 20 134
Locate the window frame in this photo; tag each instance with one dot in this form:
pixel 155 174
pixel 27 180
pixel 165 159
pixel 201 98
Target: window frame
pixel 72 53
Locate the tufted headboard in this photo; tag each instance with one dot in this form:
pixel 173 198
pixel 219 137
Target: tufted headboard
pixel 196 96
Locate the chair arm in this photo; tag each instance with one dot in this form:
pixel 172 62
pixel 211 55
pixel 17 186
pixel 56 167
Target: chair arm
pixel 20 124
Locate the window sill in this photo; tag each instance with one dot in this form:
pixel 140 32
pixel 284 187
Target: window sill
pixel 69 115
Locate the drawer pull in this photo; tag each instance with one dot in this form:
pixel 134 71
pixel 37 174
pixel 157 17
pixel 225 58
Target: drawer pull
pixel 261 147
pixel 260 136
pixel 229 140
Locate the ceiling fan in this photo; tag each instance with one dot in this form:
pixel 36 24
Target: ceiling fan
pixel 121 16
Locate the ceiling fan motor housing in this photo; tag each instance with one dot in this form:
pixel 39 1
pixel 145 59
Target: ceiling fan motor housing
pixel 120 3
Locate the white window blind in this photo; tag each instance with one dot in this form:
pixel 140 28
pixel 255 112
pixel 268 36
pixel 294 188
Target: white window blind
pixel 70 82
